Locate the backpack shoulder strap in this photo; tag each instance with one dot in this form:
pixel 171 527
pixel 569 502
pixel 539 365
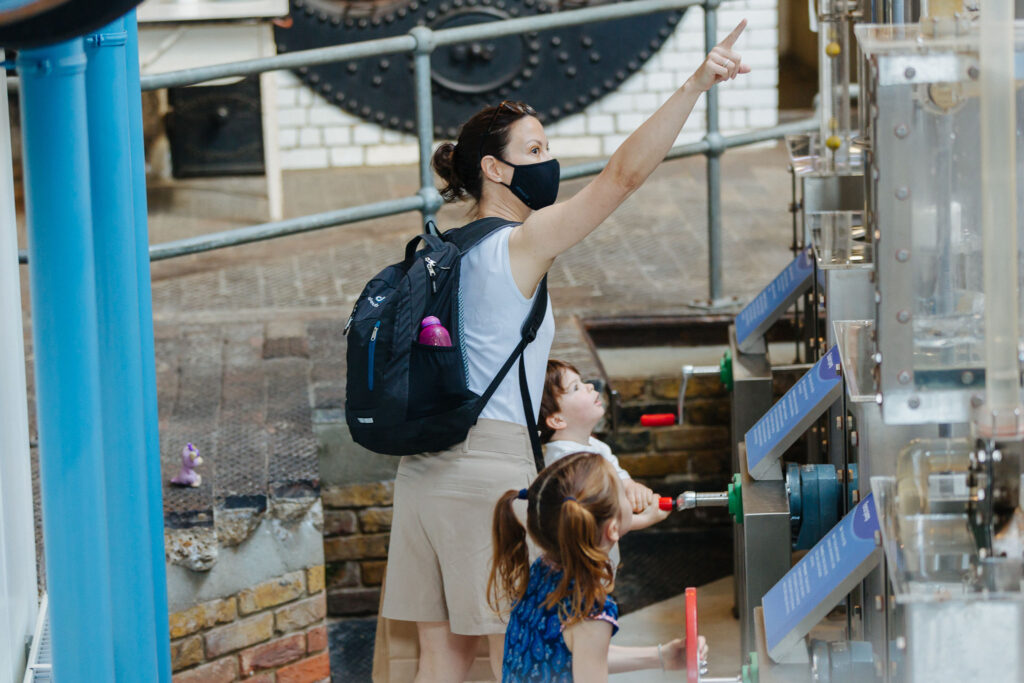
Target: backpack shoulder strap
pixel 469 235
pixel 527 334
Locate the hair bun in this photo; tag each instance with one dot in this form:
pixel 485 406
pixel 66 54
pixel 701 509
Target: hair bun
pixel 443 162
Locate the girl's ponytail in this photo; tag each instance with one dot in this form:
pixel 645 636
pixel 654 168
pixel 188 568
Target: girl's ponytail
pixel 587 576
pixel 510 564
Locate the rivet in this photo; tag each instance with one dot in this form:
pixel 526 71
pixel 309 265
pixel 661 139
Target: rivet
pixel 967 377
pixel 914 402
pixel 997 456
pixel 878 297
pixel 877 357
pixel 903 377
pixel 902 193
pixel 910 72
pixel 902 131
pixel 902 255
pixel 903 315
pixel 972 73
pixel 977 401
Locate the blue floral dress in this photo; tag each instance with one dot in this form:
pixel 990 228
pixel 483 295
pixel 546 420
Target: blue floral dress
pixel 534 649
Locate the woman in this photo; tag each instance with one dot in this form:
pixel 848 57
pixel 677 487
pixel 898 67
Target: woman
pixel 440 552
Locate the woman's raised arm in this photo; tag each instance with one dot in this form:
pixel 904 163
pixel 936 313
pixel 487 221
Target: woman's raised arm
pixel 548 232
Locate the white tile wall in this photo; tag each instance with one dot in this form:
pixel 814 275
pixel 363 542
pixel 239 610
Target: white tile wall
pixel 314 133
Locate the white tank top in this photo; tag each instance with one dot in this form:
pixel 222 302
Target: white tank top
pixel 493 311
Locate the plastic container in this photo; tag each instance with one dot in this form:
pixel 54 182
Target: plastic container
pixel 432 333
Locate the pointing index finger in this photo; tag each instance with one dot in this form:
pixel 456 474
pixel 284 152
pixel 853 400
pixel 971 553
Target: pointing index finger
pixel 730 39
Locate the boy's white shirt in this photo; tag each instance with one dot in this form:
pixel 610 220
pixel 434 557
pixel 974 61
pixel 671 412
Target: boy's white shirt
pixel 556 450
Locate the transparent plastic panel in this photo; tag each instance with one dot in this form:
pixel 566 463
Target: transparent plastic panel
pixel 839 238
pixel 931 504
pixel 948 289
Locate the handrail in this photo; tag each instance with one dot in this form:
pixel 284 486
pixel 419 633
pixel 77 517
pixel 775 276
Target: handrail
pixel 392 207
pixel 407 43
pixel 421 42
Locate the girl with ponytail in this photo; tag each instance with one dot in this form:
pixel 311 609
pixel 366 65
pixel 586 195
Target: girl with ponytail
pixel 563 618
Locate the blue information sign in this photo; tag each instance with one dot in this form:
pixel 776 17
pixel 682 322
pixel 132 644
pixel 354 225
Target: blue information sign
pixel 792 414
pixel 817 583
pixel 773 300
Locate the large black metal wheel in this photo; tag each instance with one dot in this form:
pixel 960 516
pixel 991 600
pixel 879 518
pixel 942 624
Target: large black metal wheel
pixel 33 23
pixel 558 72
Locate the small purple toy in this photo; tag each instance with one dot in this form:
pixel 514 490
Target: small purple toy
pixel 190 460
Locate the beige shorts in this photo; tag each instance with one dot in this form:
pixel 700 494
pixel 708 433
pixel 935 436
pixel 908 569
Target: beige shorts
pixel 440 553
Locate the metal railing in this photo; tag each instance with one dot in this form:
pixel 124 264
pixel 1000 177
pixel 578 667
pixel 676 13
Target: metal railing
pixel 421 42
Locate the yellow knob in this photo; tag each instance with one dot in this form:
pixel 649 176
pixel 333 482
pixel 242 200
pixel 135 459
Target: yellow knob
pixel 833 142
pixel 833 49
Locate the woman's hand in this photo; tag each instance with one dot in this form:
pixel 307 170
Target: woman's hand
pixel 721 63
pixel 673 653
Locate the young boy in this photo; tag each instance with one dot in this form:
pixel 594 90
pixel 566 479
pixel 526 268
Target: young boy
pixel 569 411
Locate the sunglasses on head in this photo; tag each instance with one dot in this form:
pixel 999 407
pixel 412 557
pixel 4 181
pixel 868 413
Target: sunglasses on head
pixel 514 107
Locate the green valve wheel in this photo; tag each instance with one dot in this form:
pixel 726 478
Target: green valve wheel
pixel 736 498
pixel 725 370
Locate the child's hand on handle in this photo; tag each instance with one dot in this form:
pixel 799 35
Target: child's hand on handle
pixel 673 653
pixel 722 63
pixel 639 496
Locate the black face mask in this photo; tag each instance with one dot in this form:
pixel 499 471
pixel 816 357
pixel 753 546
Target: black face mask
pixel 536 185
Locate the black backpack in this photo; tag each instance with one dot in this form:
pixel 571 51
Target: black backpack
pixel 403 397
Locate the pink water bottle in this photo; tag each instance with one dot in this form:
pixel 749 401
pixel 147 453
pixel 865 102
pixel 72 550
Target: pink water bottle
pixel 432 333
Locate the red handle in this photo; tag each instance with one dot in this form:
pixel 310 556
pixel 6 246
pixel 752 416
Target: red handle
pixel 692 663
pixel 666 503
pixel 658 419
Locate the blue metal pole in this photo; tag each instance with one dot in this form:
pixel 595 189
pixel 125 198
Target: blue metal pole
pixel 62 286
pixel 154 481
pixel 117 308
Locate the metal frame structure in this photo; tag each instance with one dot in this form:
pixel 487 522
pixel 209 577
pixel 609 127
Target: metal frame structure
pixel 421 42
pixel 93 330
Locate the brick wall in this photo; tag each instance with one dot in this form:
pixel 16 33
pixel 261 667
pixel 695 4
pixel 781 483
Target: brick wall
pixel 316 134
pixel 695 451
pixel 357 522
pixel 274 632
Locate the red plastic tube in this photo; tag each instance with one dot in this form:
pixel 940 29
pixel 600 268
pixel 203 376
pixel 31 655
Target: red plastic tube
pixel 692 663
pixel 658 419
pixel 666 503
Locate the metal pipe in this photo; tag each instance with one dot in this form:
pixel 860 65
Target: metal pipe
pixel 714 166
pixel 147 354
pixel 406 43
pixel 117 310
pixel 688 500
pixel 425 122
pixel 18 579
pixel 292 226
pixel 393 207
pixel 64 333
pixel 291 60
